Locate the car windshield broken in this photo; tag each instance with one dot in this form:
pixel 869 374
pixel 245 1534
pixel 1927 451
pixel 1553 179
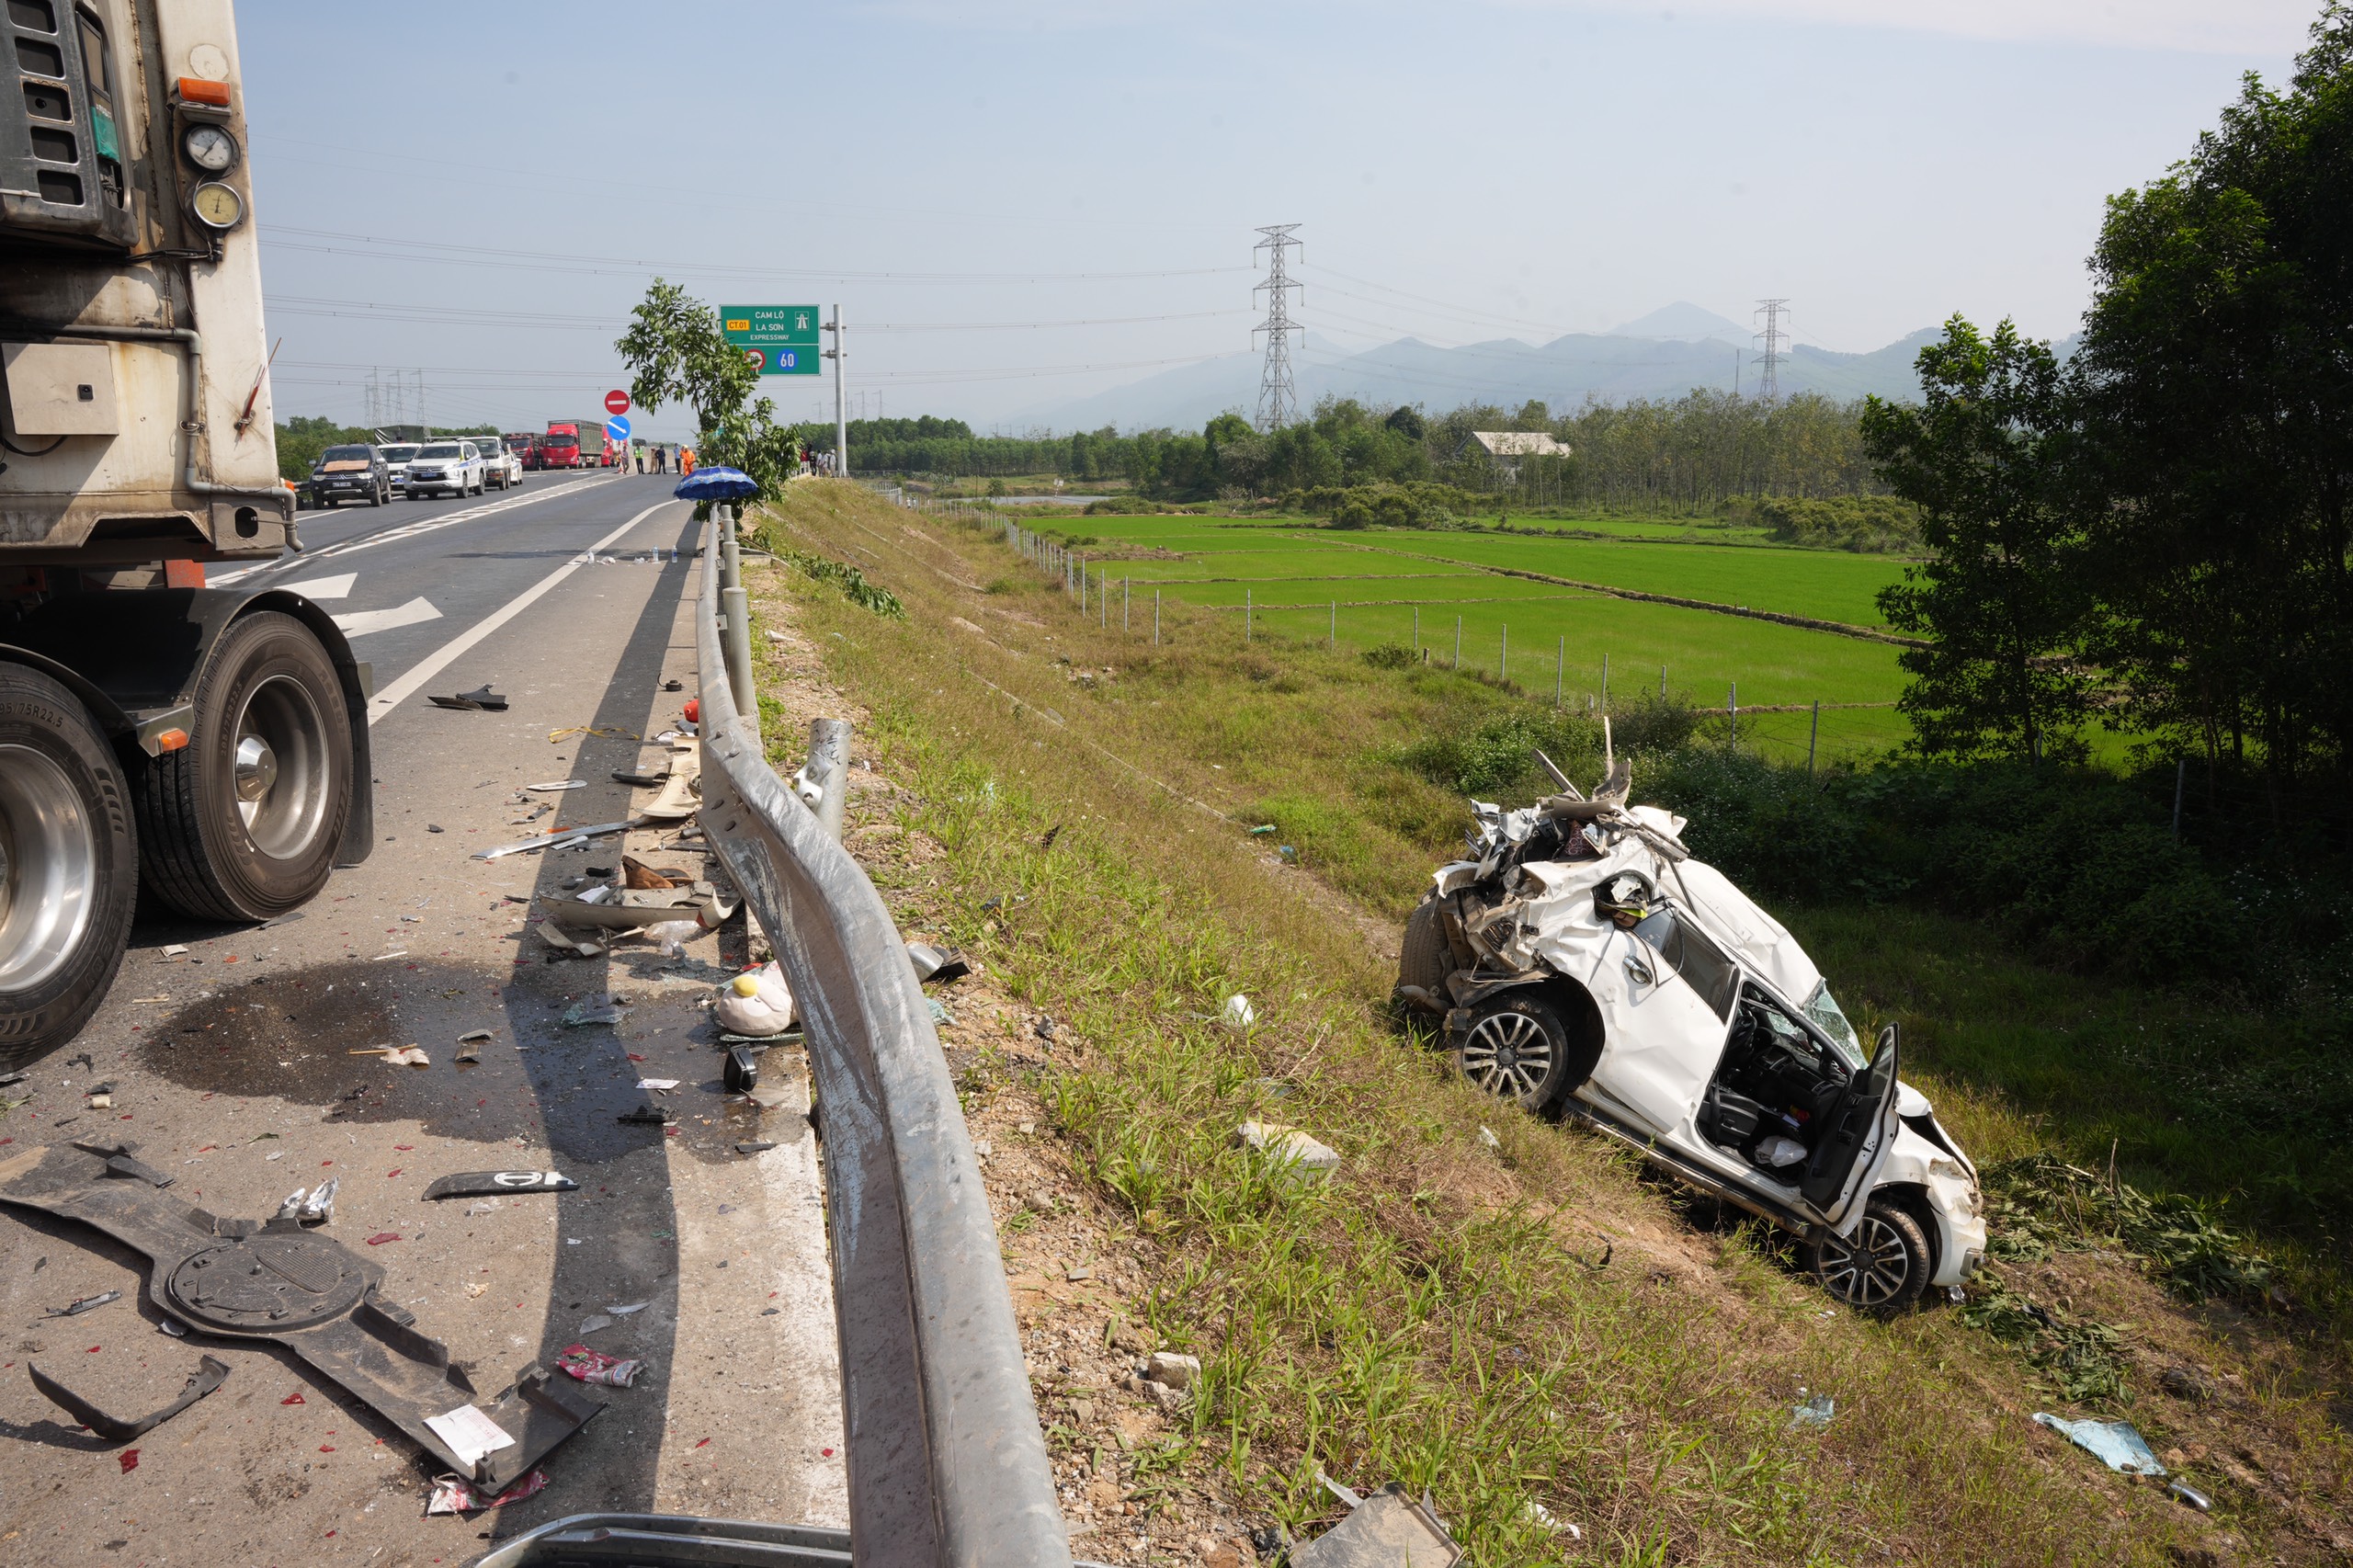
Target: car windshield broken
pixel 1824 1009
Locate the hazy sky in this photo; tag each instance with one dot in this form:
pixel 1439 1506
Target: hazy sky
pixel 479 192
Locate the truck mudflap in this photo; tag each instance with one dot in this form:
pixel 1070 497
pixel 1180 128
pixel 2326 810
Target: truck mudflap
pixel 134 657
pixel 295 1285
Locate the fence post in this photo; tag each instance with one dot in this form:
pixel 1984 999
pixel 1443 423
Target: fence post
pixel 2180 778
pixel 1127 589
pixel 1661 682
pixel 1331 638
pixel 1559 667
pixel 1418 631
pixel 1605 683
pixel 1155 618
pixel 1731 714
pixel 1249 611
pixel 1503 659
pixel 1812 735
pixel 1458 641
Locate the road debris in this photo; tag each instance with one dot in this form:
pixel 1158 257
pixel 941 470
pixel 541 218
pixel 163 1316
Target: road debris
pixel 596 1367
pixel 591 1012
pixel 1237 1013
pixel 756 1146
pixel 209 1375
pixel 2116 1443
pixel 636 873
pixel 1297 1153
pixel 622 1312
pixel 453 1495
pixel 560 839
pixel 311 1208
pixel 1815 1411
pixel 564 942
pixel 741 1072
pixel 1172 1369
pixel 87 1303
pixel 943 964
pixel 659 1085
pixel 1387 1529
pixel 555 784
pixel 756 1003
pixel 647 1116
pixel 395 1055
pixel 494 1184
pixel 481 697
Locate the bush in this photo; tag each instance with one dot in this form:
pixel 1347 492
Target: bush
pixel 1496 757
pixel 1391 656
pixel 1879 523
pixel 1414 506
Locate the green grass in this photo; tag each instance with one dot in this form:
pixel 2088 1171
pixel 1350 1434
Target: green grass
pixel 1423 1318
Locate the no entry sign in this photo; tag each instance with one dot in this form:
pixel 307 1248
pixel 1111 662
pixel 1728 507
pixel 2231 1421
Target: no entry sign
pixel 616 402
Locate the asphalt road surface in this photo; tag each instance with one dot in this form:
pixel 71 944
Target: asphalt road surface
pixel 231 1065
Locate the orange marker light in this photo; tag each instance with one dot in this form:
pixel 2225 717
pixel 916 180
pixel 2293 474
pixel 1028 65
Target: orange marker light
pixel 172 740
pixel 196 90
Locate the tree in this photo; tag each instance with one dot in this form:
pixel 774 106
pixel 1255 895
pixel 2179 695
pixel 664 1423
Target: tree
pixel 2217 361
pixel 2002 599
pixel 676 354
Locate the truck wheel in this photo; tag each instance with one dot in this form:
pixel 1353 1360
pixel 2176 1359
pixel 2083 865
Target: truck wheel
pixel 1883 1269
pixel 243 823
pixel 1422 959
pixel 69 866
pixel 1517 1048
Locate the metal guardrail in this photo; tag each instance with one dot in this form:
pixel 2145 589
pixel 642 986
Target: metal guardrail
pixel 946 1463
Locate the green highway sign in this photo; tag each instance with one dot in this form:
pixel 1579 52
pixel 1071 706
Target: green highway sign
pixel 782 339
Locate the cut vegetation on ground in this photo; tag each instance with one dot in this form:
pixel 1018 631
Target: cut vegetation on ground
pixel 1578 1364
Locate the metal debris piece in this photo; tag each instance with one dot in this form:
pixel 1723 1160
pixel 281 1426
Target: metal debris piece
pixel 943 964
pixel 1387 1529
pixel 641 780
pixel 209 1375
pixel 303 1290
pixel 87 1303
pixel 2190 1496
pixel 564 942
pixel 554 784
pixel 559 839
pixel 492 1184
pixel 120 1163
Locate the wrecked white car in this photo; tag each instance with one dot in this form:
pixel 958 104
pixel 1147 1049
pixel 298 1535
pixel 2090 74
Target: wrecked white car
pixel 1583 964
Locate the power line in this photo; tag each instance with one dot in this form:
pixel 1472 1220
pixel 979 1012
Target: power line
pixel 1277 396
pixel 1768 382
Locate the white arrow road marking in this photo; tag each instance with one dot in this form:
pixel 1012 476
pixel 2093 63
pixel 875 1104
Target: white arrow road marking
pixel 441 658
pixel 324 587
pixel 361 623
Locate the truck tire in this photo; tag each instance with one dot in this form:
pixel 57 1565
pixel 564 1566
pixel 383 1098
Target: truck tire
pixel 70 877
pixel 243 823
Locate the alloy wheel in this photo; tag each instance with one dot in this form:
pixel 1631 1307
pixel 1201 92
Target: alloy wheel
pixel 1507 1054
pixel 1870 1270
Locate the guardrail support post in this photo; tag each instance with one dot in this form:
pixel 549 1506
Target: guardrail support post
pixel 735 609
pixel 828 769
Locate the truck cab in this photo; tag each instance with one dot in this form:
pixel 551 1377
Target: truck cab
pixel 209 744
pixel 560 448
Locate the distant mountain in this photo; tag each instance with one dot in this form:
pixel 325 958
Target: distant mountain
pixel 1688 321
pixel 1614 366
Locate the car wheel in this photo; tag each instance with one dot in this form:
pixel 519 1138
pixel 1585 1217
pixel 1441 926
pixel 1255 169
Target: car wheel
pixel 375 498
pixel 243 823
pixel 1883 1269
pixel 1516 1049
pixel 69 866
pixel 1424 958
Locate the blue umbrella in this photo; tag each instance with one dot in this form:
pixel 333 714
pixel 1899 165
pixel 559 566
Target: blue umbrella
pixel 716 484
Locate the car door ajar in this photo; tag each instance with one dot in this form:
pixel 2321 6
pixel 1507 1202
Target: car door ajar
pixel 1847 1160
pixel 1664 994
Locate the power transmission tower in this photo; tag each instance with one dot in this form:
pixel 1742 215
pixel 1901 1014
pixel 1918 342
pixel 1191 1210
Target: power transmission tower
pixel 1277 395
pixel 1769 383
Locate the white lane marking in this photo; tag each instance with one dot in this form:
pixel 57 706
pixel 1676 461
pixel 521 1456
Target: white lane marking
pixel 324 587
pixel 441 658
pixel 360 623
pixel 406 530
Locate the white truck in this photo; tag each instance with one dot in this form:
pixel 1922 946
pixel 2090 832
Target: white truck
pixel 209 743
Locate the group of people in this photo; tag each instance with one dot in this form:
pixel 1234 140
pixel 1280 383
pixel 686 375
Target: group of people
pixel 664 459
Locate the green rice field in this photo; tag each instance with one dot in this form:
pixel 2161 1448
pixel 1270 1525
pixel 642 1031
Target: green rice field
pixel 1438 593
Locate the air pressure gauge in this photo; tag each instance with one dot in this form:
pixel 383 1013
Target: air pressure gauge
pixel 217 206
pixel 209 148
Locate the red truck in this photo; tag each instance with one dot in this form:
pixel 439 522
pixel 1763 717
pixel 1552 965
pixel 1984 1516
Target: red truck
pixel 574 443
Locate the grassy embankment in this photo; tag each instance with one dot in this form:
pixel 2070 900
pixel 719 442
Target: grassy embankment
pixel 1440 1313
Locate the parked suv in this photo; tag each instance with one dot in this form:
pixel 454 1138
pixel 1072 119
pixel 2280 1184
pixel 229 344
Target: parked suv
pixel 1583 964
pixel 347 473
pixel 445 467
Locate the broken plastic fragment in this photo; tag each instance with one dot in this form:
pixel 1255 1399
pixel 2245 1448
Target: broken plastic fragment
pixel 468 1434
pixel 452 1495
pixel 554 784
pixel 85 1304
pixel 596 1367
pixel 484 1184
pixel 208 1376
pixel 2116 1443
pixel 1238 1014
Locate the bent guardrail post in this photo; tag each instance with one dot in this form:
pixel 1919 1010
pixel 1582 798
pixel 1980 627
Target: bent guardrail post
pixel 946 1464
pixel 828 768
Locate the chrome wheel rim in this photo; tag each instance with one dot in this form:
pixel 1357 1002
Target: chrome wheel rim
pixel 280 767
pixel 49 867
pixel 1869 1271
pixel 1507 1054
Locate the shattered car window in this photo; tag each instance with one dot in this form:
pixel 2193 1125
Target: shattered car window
pixel 1703 965
pixel 1827 1017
